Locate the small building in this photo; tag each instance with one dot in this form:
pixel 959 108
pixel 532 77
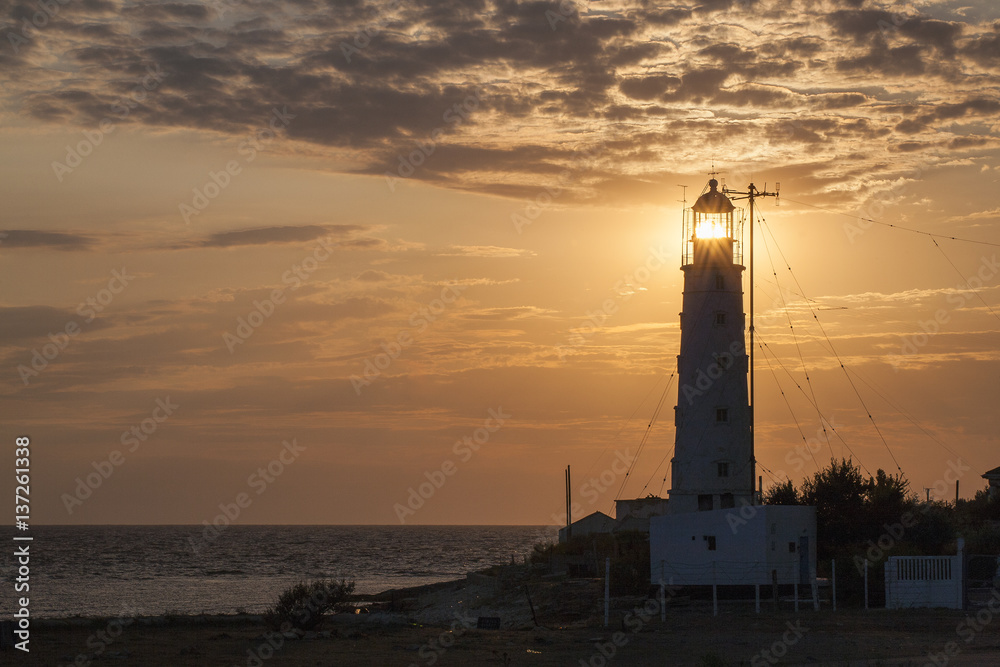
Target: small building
pixel 754 544
pixel 993 477
pixel 595 523
pixel 635 514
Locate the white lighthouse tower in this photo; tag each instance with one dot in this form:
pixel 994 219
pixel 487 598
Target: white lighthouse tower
pixel 713 465
pixel 714 532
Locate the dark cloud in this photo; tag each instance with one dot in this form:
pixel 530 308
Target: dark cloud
pixel 276 235
pixel 900 61
pixel 28 238
pixel 984 49
pixel 19 324
pixel 925 119
pixel 867 25
pixel 378 80
pixel 168 10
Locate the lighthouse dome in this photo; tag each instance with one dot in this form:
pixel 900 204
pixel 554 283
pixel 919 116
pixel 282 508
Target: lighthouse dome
pixel 713 201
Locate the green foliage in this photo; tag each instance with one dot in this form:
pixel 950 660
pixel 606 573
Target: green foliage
pixel 782 494
pixel 839 494
pixel 304 605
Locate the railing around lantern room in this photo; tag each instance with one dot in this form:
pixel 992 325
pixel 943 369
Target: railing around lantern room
pixel 690 230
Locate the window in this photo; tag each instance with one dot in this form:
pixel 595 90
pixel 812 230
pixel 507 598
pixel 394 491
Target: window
pixel 727 501
pixel 722 415
pixel 720 319
pixel 711 541
pixel 791 547
pixel 720 281
pixel 705 502
pixel 723 361
pixel 723 468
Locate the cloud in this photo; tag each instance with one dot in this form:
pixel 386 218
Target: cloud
pixel 23 323
pixel 280 235
pixel 28 238
pixel 370 83
pixel 485 251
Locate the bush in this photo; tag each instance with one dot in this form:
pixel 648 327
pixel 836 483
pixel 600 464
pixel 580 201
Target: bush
pixel 304 605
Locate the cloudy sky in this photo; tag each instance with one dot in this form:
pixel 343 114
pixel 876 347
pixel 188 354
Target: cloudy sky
pixel 377 229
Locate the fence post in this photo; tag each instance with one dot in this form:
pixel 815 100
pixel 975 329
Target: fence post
pixel 715 593
pixel 607 589
pixel 833 563
pixel 663 601
pixel 866 584
pixel 795 589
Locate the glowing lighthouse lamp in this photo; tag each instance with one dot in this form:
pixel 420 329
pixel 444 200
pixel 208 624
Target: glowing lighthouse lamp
pixel 710 236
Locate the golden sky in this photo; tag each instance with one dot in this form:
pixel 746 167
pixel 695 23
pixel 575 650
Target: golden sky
pixel 414 236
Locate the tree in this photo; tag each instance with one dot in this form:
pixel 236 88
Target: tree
pixel 783 493
pixel 839 494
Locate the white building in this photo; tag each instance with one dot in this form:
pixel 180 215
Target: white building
pixel 714 531
pixel 754 544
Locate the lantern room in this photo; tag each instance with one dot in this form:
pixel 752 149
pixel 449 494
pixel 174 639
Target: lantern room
pixel 711 235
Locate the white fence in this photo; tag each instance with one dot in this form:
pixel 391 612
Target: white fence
pixel 923 581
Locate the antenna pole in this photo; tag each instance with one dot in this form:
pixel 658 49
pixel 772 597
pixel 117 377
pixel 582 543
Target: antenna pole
pixel 753 451
pixel 751 194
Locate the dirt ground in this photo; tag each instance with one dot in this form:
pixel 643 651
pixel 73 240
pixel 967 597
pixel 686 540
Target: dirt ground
pixel 690 636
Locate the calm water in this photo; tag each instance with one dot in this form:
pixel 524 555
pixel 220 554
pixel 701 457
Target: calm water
pixel 148 570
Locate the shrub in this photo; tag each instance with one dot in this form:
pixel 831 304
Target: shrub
pixel 304 605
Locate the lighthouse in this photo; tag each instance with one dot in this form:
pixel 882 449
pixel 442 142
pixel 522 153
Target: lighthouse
pixel 714 531
pixel 713 465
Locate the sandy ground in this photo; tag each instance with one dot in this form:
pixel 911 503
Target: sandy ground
pixel 431 627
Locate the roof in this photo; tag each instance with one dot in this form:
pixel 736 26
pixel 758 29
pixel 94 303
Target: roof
pixel 992 473
pixel 713 201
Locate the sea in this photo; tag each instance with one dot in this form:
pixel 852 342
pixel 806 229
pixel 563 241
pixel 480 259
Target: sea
pixel 111 571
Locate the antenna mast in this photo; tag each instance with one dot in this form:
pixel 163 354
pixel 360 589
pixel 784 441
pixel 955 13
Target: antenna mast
pixel 751 194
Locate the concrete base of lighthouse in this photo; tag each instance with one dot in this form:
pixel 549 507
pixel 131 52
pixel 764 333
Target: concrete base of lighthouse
pixel 749 545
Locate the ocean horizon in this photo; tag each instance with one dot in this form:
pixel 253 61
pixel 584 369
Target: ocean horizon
pixel 120 570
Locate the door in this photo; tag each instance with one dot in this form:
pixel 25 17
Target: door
pixel 805 574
